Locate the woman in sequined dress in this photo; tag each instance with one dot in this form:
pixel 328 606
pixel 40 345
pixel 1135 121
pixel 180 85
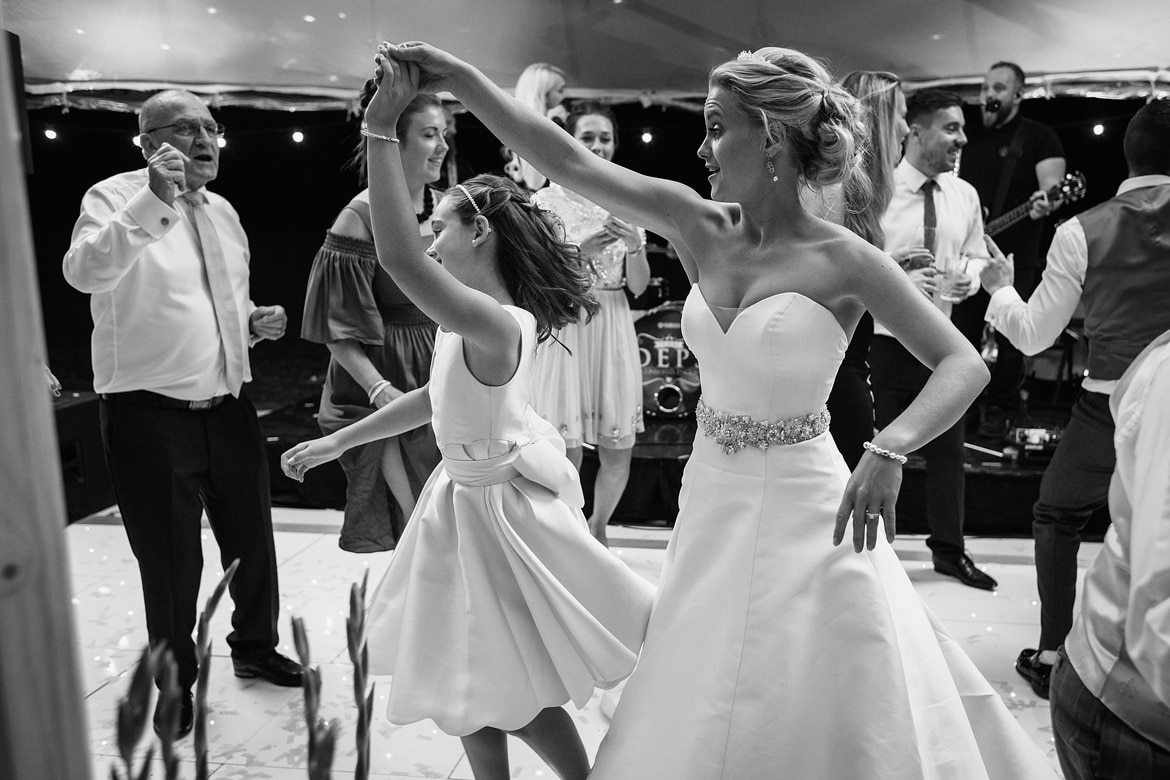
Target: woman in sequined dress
pixel 589 385
pixel 773 650
pixel 379 342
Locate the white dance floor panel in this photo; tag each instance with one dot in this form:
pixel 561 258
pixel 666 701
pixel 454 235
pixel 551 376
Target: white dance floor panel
pixel 257 731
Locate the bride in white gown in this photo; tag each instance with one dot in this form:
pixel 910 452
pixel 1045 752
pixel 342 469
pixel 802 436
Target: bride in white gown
pixel 772 651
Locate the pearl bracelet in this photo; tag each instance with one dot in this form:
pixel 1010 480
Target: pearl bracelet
pixel 876 450
pixel 377 388
pixel 368 134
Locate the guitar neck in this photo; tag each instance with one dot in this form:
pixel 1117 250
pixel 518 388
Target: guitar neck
pixel 1007 219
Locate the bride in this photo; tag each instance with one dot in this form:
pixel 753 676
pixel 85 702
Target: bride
pixel 774 651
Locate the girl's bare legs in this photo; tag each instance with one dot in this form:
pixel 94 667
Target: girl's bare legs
pixel 553 736
pixel 574 456
pixel 613 472
pixel 487 752
pixel 394 472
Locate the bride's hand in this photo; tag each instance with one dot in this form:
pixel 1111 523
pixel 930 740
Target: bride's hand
pixel 397 86
pixel 436 68
pixel 308 454
pixel 870 495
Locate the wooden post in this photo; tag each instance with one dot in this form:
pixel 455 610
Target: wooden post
pixel 42 721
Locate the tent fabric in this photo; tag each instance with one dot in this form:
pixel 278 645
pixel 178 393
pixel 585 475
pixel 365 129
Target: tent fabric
pixel 315 53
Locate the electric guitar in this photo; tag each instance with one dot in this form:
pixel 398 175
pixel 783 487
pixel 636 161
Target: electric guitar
pixel 1068 189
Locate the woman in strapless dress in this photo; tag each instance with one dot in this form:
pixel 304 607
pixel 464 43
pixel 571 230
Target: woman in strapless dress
pixel 773 650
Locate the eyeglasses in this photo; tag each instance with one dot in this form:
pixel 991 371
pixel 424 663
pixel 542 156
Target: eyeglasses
pixel 189 128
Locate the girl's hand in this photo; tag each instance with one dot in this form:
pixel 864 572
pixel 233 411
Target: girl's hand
pixel 619 228
pixel 437 69
pixel 308 454
pixel 924 280
pixel 870 495
pixel 397 86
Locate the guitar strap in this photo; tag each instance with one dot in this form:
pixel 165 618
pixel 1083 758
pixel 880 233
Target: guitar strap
pixel 1009 167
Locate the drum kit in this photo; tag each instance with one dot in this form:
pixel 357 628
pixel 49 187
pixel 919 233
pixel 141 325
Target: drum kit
pixel 670 374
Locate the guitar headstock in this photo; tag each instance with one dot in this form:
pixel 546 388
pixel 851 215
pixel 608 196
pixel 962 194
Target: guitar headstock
pixel 1068 189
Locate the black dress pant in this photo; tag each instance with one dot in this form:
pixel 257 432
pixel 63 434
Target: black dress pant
pixel 897 378
pixel 1075 484
pixel 850 401
pixel 169 465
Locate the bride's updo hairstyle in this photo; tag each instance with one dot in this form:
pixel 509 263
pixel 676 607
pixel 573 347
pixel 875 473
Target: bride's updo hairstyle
pixel 543 272
pixel 792 96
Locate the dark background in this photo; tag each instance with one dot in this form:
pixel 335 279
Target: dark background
pixel 287 194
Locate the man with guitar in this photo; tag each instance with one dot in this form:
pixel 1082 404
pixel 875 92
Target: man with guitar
pixel 1011 161
pixel 1113 260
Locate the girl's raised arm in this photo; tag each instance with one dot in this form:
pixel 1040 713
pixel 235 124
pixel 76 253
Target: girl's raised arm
pixel 473 314
pixel 665 207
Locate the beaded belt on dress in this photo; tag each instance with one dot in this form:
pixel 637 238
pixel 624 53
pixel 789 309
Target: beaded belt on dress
pixel 733 432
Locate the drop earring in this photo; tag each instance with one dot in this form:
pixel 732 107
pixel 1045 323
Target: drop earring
pixel 772 170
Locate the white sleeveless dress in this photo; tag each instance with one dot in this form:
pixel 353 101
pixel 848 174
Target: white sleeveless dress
pixel 770 652
pixel 498 602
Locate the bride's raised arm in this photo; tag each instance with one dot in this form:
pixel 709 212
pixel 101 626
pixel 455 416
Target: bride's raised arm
pixel 666 207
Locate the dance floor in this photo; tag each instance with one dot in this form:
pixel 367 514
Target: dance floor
pixel 257 730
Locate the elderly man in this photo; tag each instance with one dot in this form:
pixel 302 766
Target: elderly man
pixel 1010 160
pixel 934 229
pixel 1114 260
pixel 166 263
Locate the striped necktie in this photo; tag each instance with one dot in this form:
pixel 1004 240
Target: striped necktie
pixel 223 298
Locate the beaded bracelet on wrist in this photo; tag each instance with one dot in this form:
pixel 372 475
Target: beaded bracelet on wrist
pixel 377 388
pixel 876 450
pixel 366 132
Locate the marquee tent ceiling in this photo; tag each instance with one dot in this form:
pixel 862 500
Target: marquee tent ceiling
pixel 315 53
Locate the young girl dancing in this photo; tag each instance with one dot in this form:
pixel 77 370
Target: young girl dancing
pixel 498 607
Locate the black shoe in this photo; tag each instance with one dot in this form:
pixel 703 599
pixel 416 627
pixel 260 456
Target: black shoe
pixel 1036 672
pixel 963 569
pixel 274 668
pixel 186 716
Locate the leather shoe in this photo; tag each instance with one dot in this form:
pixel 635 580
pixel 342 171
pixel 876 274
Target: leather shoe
pixel 1036 672
pixel 186 716
pixel 963 569
pixel 274 668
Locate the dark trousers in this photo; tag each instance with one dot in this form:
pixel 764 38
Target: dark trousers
pixel 167 466
pixel 1091 742
pixel 1075 484
pixel 897 378
pixel 850 401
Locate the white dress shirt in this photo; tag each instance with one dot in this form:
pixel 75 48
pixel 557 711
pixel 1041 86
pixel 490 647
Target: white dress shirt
pixel 959 219
pixel 1120 643
pixel 154 320
pixel 1034 326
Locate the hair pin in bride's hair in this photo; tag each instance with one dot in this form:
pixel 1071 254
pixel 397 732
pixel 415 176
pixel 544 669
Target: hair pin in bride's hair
pixel 753 55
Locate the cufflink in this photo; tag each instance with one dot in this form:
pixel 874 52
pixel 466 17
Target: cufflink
pixel 166 220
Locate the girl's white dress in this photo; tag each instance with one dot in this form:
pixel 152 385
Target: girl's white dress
pixel 770 652
pixel 498 602
pixel 595 393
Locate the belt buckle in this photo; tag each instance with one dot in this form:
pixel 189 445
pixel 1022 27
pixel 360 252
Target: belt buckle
pixel 200 406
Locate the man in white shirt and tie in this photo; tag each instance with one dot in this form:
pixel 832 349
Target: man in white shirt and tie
pixel 167 265
pixel 1114 259
pixel 934 229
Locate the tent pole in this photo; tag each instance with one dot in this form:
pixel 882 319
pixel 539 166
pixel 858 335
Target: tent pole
pixel 42 720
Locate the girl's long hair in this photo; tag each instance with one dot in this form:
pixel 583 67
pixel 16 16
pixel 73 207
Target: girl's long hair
pixel 878 92
pixel 542 271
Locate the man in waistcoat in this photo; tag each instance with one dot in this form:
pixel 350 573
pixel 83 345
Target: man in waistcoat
pixel 1114 259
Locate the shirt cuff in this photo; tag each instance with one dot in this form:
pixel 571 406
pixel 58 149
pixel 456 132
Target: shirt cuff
pixel 154 216
pixel 1004 296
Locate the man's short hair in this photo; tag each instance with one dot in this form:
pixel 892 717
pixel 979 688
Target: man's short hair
pixel 925 102
pixel 1016 70
pixel 1147 139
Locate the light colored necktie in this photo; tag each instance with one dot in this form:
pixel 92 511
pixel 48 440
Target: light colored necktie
pixel 929 215
pixel 223 298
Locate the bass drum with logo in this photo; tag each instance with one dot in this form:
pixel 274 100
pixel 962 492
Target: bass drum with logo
pixel 670 374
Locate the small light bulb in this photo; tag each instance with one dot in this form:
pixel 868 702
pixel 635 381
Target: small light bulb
pixel 222 142
pixel 647 137
pixel 298 136
pixel 1098 129
pixel 50 133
